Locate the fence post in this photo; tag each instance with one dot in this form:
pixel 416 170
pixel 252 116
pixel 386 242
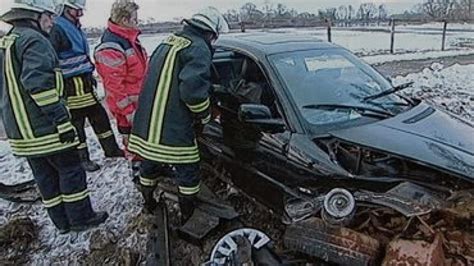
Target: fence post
pixel 445 26
pixel 392 36
pixel 329 30
pixel 242 26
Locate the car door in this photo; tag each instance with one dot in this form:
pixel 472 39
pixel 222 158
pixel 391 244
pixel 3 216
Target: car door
pixel 256 158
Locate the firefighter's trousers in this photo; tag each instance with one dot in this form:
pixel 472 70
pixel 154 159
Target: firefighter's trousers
pixel 187 176
pixel 62 184
pixel 99 121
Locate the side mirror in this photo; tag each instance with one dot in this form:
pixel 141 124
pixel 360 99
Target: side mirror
pixel 260 115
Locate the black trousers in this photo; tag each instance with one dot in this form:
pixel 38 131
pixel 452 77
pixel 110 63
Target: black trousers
pixel 63 187
pixel 99 121
pixel 186 175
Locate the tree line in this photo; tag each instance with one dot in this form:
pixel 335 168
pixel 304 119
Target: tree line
pixel 273 15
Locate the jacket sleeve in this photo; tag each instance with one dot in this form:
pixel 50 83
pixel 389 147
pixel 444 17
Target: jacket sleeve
pixel 195 81
pixel 111 65
pixel 43 81
pixel 59 40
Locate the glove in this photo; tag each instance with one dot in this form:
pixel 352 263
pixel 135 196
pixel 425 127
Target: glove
pixel 68 136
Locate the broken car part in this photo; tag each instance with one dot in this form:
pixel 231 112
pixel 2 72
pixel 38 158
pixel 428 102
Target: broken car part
pixel 159 238
pixel 234 247
pixel 339 207
pixel 24 193
pixel 338 245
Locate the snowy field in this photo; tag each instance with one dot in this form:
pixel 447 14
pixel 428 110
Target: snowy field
pixel 408 39
pixel 112 190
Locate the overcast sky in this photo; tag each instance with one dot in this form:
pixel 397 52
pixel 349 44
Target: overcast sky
pixel 98 10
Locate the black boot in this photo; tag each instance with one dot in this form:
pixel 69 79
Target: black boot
pixel 150 202
pixel 97 219
pixel 86 163
pixel 187 204
pixel 110 147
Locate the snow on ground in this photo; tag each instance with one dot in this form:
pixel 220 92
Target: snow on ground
pixel 111 190
pixel 449 88
pixel 384 58
pixel 365 42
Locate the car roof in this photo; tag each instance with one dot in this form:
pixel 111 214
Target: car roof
pixel 266 43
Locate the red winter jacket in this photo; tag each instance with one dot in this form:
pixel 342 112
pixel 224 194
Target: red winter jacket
pixel 121 62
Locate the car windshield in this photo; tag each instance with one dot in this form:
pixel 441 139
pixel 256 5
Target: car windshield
pixel 329 86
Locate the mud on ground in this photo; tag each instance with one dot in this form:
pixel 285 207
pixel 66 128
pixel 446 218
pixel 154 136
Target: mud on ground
pixel 18 239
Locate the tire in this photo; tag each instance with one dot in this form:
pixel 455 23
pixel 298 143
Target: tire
pixel 338 245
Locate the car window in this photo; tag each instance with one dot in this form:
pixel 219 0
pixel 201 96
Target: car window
pixel 328 77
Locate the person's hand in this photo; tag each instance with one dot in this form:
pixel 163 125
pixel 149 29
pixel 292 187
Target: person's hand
pixel 68 136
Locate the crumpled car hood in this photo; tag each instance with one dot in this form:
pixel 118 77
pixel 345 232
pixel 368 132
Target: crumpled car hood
pixel 424 134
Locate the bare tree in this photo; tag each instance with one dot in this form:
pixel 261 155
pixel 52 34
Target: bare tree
pixel 342 14
pixel 249 12
pixel 439 9
pixel 367 12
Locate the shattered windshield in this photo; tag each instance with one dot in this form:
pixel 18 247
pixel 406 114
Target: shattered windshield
pixel 333 78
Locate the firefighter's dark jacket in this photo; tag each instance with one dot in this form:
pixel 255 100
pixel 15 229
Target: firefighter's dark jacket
pixel 33 109
pixel 175 95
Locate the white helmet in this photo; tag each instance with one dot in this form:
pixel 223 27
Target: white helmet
pixel 76 4
pixel 36 5
pixel 210 19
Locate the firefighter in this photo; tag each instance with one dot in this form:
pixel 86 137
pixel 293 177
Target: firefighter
pixel 175 99
pixel 121 62
pixel 71 45
pixel 37 121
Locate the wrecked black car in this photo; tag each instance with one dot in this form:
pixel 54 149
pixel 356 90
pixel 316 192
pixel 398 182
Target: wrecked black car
pixel 307 129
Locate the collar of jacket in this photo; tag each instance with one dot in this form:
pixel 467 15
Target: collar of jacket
pixel 77 24
pixel 28 23
pixel 130 34
pixel 187 29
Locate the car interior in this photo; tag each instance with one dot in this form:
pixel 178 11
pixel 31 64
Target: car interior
pixel 237 79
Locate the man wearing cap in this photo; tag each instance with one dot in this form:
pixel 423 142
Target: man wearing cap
pixel 72 48
pixel 174 100
pixel 37 121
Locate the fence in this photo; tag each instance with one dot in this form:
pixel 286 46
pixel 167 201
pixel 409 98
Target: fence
pixel 329 25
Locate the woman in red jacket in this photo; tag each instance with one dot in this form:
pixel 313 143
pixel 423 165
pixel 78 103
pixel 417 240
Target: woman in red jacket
pixel 121 62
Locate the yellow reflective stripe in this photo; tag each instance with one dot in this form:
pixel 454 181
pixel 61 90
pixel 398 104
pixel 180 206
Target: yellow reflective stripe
pixel 148 182
pixel 76 102
pixel 82 146
pixel 201 107
pixel 189 190
pixel 87 96
pixel 163 87
pixel 46 97
pixel 65 127
pixel 59 82
pixel 76 196
pixel 18 106
pixel 37 146
pixel 53 202
pixel 165 149
pixel 43 150
pixel 159 157
pixel 47 101
pixel 105 134
pixel 78 85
